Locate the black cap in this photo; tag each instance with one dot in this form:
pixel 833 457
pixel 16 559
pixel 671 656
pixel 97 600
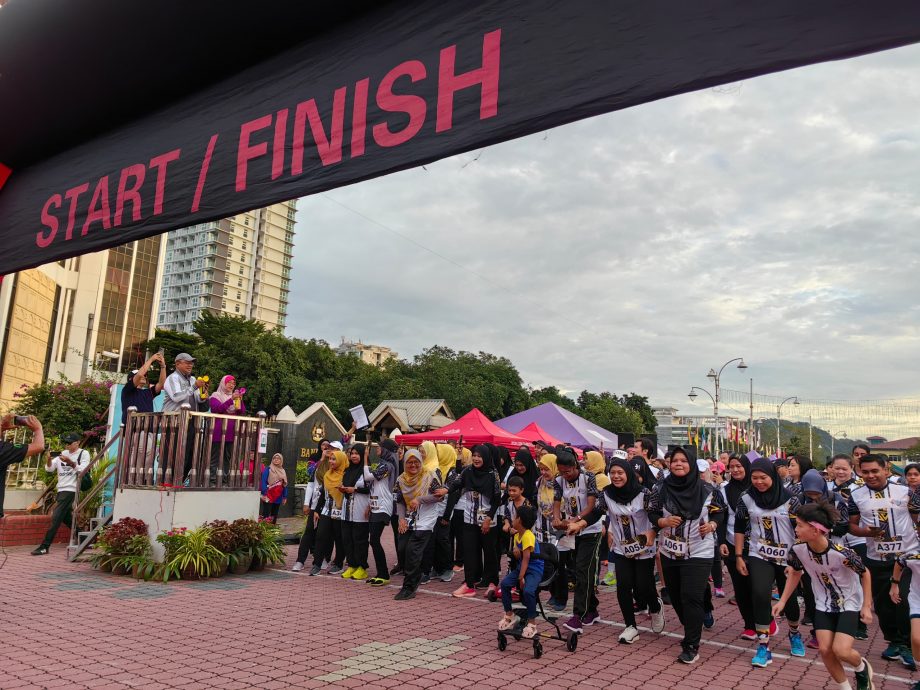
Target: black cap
pixel 72 437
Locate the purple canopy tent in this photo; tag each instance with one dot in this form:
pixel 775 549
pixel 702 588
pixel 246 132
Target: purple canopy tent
pixel 564 425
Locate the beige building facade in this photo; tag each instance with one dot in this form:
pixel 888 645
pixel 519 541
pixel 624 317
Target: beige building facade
pixel 371 354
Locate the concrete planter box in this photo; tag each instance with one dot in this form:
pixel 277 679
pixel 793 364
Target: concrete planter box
pixel 164 510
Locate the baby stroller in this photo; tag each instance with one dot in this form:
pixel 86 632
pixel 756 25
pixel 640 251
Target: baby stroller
pixel 550 557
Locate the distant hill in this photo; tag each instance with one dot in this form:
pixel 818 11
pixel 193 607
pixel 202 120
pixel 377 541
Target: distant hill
pixel 796 434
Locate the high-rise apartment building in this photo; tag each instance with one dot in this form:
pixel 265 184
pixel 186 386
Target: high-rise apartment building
pixel 239 266
pixel 88 312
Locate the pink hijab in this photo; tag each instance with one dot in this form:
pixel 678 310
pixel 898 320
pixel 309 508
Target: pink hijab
pixel 223 394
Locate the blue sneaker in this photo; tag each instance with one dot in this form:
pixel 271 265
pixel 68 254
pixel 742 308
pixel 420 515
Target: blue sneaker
pixel 763 657
pixel 708 620
pixel 907 658
pixel 796 645
pixel 892 653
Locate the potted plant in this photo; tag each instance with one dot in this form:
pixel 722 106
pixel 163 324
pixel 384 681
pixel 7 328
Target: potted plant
pixel 247 534
pixel 137 559
pixel 269 548
pixel 225 540
pixel 196 558
pixel 114 541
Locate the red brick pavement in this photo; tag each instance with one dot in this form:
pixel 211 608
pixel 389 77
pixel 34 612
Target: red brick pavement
pixel 67 626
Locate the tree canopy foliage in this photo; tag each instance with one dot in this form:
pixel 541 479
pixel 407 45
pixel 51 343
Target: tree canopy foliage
pixel 278 371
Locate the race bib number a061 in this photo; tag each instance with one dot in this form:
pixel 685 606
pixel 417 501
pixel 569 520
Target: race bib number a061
pixel 675 547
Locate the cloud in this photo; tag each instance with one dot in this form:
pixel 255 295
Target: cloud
pixel 634 251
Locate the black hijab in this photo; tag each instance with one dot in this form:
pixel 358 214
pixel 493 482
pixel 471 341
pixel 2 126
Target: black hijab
pixel 389 454
pixel 481 479
pixel 501 458
pixel 531 473
pixel 630 489
pixel 355 470
pixel 644 472
pixel 734 488
pixel 776 495
pixel 685 496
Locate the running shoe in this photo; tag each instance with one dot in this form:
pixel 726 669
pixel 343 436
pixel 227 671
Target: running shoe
pixel 426 578
pixel 349 571
pixel 558 606
pixel 396 569
pixel 574 624
pixel 907 658
pixel 796 646
pixel 864 677
pixel 463 591
pixel 658 619
pixel 297 567
pixel 40 551
pixel 708 620
pixel 812 641
pixel 719 593
pixel 359 574
pixel 336 569
pixel 326 565
pixel 404 594
pixel 773 628
pixel 763 657
pixel 589 618
pixel 689 656
pixel 639 610
pixel 378 581
pixel 458 568
pixel 892 653
pixel 610 580
pixel 862 632
pixel 315 570
pixel 629 635
pixel 748 634
pixel 446 576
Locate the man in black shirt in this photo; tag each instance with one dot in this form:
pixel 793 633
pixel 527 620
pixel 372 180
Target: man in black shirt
pixel 138 392
pixel 11 453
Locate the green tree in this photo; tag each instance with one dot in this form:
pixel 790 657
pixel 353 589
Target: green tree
pixel 606 412
pixel 63 406
pixel 639 403
pixel 549 394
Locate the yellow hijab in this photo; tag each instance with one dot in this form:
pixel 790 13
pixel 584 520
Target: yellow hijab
pixel 546 493
pixel 466 457
pixel 332 479
pixel 413 486
pixel 594 463
pixel 447 459
pixel 429 457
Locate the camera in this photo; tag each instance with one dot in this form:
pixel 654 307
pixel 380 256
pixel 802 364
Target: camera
pixel 21 420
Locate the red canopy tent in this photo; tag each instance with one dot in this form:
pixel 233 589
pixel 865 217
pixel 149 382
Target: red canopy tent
pixel 474 427
pixel 534 432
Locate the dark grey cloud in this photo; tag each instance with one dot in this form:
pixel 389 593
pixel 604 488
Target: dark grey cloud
pixel 775 220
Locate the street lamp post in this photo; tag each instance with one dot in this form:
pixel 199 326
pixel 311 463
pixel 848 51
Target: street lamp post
pixel 715 406
pixel 779 412
pixel 716 377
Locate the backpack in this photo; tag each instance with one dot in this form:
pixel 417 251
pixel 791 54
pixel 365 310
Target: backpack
pixel 86 481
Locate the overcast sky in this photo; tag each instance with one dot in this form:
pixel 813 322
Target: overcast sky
pixel 776 219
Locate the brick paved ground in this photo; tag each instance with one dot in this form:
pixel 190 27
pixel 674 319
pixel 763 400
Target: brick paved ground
pixel 67 626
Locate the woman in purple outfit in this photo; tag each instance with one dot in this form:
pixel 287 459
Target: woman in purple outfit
pixel 226 400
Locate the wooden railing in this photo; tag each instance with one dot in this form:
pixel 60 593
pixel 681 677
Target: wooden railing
pixel 98 486
pixel 190 450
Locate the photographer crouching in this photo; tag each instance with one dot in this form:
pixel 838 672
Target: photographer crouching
pixel 11 453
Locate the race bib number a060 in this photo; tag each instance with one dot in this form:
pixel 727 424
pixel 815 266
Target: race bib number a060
pixel 772 552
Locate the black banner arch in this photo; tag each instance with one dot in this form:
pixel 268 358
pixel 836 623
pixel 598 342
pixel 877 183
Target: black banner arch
pixel 382 88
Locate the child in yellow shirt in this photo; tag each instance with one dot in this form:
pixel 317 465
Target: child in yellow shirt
pixel 527 575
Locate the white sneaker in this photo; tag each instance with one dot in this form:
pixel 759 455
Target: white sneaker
pixel 629 635
pixel 297 567
pixel 325 565
pixel 658 619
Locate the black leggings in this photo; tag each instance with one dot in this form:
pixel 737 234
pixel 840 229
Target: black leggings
pixel 742 586
pixel 269 510
pixel 479 555
pixel 456 536
pixel 688 588
pixel 378 524
pixel 635 578
pixel 307 539
pixel 411 549
pixel 354 541
pixel 716 573
pixel 437 553
pixel 893 619
pixel 328 534
pixel 762 575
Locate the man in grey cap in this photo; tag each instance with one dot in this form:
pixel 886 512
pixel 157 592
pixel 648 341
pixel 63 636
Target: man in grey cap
pixel 182 388
pixel 68 466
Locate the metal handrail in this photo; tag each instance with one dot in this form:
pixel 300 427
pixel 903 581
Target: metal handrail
pixel 95 489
